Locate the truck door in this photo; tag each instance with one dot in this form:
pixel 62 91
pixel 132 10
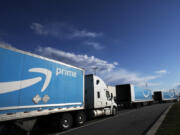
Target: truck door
pixel 98 95
pixel 108 98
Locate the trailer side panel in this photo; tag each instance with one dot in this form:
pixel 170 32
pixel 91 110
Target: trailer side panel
pixel 141 94
pixel 29 83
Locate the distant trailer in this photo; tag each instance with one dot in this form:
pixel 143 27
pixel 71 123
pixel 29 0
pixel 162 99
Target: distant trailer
pixel 157 96
pixel 128 95
pixel 165 96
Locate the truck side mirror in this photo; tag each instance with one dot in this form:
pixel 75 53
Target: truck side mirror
pixel 111 96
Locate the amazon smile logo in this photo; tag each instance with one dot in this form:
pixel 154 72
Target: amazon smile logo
pixel 6 87
pixel 146 93
pixel 171 93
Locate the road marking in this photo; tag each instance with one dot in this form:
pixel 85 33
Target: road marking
pixel 158 122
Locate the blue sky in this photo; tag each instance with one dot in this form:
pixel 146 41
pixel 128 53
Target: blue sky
pixel 128 41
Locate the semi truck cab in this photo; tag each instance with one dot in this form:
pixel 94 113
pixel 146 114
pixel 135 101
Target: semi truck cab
pixel 97 96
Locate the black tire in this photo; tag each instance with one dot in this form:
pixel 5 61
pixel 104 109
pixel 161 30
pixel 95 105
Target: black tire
pixel 66 121
pixel 3 129
pixel 114 111
pixel 62 123
pixel 138 105
pixel 80 118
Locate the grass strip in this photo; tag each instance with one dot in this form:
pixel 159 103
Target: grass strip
pixel 171 123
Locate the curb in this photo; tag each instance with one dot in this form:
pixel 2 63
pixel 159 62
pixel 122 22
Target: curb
pixel 154 128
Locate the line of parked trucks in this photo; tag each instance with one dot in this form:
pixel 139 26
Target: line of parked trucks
pixel 34 88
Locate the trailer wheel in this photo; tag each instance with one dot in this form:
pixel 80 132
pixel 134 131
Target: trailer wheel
pixel 80 118
pixel 3 129
pixel 62 122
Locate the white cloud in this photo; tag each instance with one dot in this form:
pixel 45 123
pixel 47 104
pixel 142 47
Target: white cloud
pixel 62 31
pixel 95 45
pixel 115 63
pixel 39 29
pixel 108 71
pixel 85 33
pixel 153 84
pixel 163 71
pixel 176 86
pixel 2 43
pixel 121 76
pixel 83 61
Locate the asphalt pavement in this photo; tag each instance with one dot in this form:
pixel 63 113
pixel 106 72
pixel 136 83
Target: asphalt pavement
pixel 131 122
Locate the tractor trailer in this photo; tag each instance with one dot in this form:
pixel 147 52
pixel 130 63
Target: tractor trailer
pixel 32 86
pixel 165 96
pixel 128 95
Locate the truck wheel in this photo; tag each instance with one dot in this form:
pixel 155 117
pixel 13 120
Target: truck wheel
pixel 114 111
pixel 66 121
pixel 80 118
pixel 3 129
